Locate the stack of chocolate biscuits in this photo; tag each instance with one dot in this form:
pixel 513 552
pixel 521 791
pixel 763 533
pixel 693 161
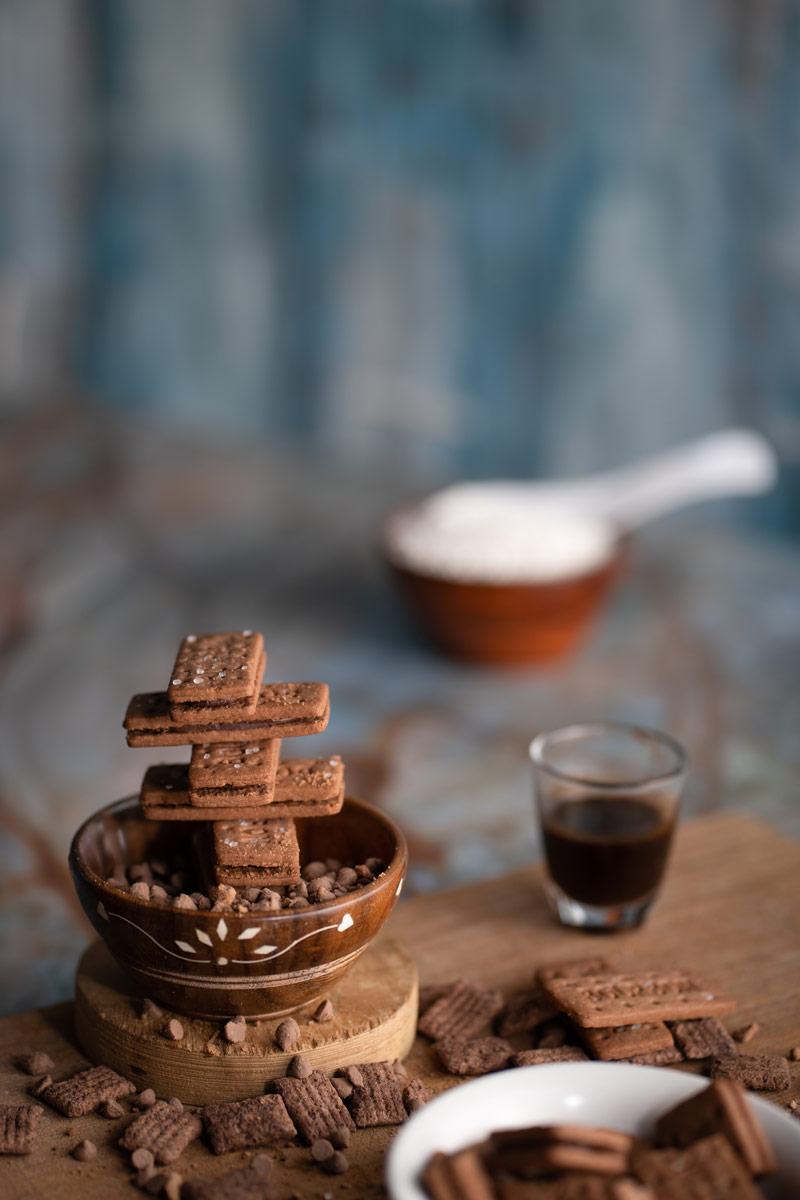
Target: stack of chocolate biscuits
pixel 234 782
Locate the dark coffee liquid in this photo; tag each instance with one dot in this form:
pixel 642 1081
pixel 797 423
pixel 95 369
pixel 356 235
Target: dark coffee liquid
pixel 605 852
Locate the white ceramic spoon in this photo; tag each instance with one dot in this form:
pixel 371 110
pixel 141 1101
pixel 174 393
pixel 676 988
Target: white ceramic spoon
pixel 505 531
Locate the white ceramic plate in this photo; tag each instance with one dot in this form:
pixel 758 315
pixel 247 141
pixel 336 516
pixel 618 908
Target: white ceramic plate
pixel 617 1095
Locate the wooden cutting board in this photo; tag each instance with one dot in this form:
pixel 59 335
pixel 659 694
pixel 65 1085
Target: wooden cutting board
pixel 730 909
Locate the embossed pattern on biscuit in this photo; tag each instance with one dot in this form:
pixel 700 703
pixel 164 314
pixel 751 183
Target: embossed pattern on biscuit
pixel 18 1125
pixel 166 1130
pixel 216 666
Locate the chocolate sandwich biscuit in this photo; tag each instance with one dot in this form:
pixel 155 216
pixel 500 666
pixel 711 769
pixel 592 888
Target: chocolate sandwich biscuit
pixel 623 1041
pixel 720 1108
pixel 165 1130
pixel 709 1167
pixel 301 711
pixel 255 853
pixel 620 999
pixel 463 1011
pixel 473 1056
pixel 305 787
pixel 200 712
pixel 460 1176
pixel 228 765
pixel 704 1038
pixel 243 1123
pixel 314 1106
pixel 18 1125
pixel 215 668
pixel 86 1091
pixel 560 1148
pixel 378 1098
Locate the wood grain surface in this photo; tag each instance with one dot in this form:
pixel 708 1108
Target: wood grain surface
pixel 375 1007
pixel 729 910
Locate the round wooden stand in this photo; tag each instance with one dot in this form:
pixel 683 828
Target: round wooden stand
pixel 375 1018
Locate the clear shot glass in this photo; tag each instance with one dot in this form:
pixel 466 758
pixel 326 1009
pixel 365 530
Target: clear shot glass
pixel 608 796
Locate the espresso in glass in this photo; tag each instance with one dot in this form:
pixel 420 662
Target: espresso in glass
pixel 608 798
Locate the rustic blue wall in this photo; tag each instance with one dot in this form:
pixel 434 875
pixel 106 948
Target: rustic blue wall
pixel 487 237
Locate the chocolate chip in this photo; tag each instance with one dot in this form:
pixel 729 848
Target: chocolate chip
pixel 84 1151
pixel 157 894
pixel 342 1086
pixel 236 1030
pixel 149 1011
pixel 111 1109
pixel 145 1099
pixel 324 1012
pixel 337 1165
pixel 346 877
pixel 142 1158
pixel 353 1075
pixel 184 903
pixel 299 1067
pixel 41 1084
pixel 141 890
pixel 287 1033
pixel 322 1150
pixel 340 1137
pixel 173 1030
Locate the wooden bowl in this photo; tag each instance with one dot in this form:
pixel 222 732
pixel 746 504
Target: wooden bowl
pixel 506 624
pixel 217 965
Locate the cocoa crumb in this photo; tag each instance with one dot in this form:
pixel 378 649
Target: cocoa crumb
pixel 111 1109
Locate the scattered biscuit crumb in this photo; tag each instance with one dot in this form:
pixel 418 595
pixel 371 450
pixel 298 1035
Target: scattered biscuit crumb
pixel 746 1033
pixel 35 1063
pixel 148 1011
pixel 111 1109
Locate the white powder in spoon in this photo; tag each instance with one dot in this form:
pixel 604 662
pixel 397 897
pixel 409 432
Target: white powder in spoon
pixel 498 534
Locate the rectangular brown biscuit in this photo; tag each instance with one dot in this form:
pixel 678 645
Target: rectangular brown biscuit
pixel 459 1176
pixel 267 843
pixel 526 1157
pixel 709 1167
pixel 534 1058
pixel 211 667
pixel 703 1038
pixel 720 1108
pixel 760 1072
pixel 378 1100
pixel 314 1105
pixel 571 1185
pixel 623 1041
pixel 165 797
pixel 165 1129
pixel 18 1125
pixel 200 712
pixel 243 1123
pixel 233 764
pixel 86 1091
pixel 148 721
pixel 463 1011
pixel 473 1056
pixel 625 999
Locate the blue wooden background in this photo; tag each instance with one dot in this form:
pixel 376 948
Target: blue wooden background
pixel 491 238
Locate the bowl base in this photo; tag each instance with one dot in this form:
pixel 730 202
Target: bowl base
pixel 375 1008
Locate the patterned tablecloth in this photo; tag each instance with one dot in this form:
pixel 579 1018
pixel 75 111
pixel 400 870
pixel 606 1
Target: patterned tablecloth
pixel 117 541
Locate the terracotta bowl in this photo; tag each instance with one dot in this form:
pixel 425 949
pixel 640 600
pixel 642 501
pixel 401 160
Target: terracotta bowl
pixel 504 624
pixel 214 965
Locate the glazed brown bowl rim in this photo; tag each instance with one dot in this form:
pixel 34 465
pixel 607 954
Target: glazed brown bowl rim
pixel 622 538
pixel 395 867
